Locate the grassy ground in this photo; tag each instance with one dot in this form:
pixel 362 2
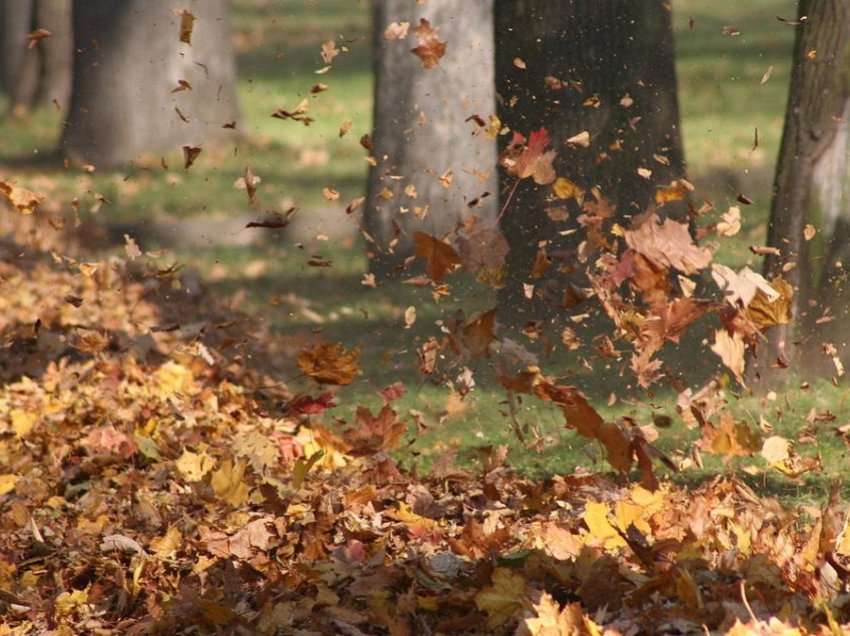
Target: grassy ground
pixel 723 100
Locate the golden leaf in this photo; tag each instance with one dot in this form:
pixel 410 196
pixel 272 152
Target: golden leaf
pixel 194 466
pixel 504 599
pixel 566 189
pixel 23 200
pixel 228 482
pixel 764 312
pixel 330 364
pixel 166 545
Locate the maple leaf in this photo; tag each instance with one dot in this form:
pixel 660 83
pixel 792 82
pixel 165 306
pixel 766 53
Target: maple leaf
pixel 669 244
pixel 107 439
pixel 551 620
pixel 330 363
pixel 374 433
pixel 484 247
pixel 504 599
pixel 441 258
pixel 394 391
pixel 307 405
pixel 429 49
pixel 472 338
pixel 729 438
pixel 531 159
pixel 767 310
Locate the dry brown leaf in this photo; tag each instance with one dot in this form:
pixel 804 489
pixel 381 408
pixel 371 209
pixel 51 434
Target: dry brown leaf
pixel 330 364
pixel 668 243
pixel 429 49
pixel 441 258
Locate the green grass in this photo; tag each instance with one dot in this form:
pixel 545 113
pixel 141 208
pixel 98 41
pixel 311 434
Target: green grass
pixel 278 44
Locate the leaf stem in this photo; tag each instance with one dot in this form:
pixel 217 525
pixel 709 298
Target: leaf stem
pixel 508 200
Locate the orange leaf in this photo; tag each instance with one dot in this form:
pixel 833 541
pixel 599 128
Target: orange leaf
pixel 441 257
pixel 23 200
pixel 330 364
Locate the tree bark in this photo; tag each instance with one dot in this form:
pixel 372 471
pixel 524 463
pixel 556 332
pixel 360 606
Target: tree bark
pixel 16 18
pixel 812 186
pixel 39 75
pixel 605 67
pixel 422 130
pixel 128 61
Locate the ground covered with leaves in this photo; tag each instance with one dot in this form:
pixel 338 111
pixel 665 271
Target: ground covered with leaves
pixel 157 477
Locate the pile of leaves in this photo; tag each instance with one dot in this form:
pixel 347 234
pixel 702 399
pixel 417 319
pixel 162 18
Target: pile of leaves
pixel 152 482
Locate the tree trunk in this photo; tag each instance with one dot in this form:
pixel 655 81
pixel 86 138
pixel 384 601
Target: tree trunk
pixel 606 68
pixel 129 59
pixel 434 166
pixel 38 75
pixel 812 186
pixel 15 18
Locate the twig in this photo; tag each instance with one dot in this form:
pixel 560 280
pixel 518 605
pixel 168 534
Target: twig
pixel 508 200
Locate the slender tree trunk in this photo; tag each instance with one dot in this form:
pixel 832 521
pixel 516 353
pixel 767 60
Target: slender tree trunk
pixel 39 75
pixel 605 68
pixel 812 186
pixel 129 60
pixel 434 166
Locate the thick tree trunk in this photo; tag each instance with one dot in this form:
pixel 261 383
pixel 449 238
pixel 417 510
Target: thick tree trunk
pixel 15 20
pixel 605 67
pixel 812 186
pixel 39 75
pixel 128 60
pixel 422 130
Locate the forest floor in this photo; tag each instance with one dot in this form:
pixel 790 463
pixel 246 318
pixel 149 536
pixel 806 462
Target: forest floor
pixel 175 455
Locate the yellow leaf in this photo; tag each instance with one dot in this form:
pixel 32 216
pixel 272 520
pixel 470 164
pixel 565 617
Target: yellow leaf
pixel 228 482
pixel 166 545
pixel 23 200
pixel 7 483
pixel 23 421
pixel 765 312
pixel 551 620
pixel 731 351
pixel 317 439
pixel 174 379
pixel 599 528
pixel 67 601
pixel 504 599
pixel 566 189
pixel 194 466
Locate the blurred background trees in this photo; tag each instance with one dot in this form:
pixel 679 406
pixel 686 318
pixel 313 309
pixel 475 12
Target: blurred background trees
pixel 148 79
pixel 36 52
